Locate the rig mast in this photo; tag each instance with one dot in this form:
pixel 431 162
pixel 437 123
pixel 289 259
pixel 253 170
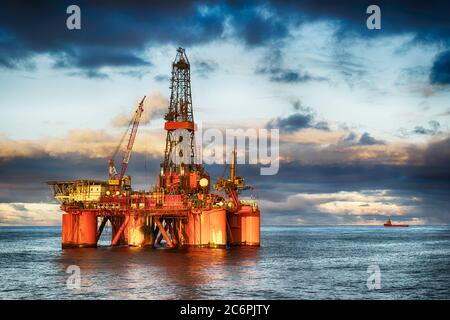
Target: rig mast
pixel 180 144
pixel 179 172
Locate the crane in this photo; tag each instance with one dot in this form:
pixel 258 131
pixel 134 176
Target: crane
pixel 134 124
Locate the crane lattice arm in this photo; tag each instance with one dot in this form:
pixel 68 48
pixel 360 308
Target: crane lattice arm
pixel 127 152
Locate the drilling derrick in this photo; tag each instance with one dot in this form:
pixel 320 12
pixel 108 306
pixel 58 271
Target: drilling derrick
pixel 180 145
pixel 179 172
pixel 180 210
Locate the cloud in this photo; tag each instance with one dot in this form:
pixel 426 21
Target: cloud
pixel 424 131
pixel 162 78
pixel 364 202
pixel 288 75
pixel 204 67
pixel 291 123
pixel 428 23
pixel 92 58
pixel 311 146
pixel 440 71
pixel 352 139
pixel 303 118
pixel 310 154
pixel 79 142
pixel 29 214
pixel 308 141
pixel 91 74
pixel 434 128
pixel 273 67
pixel 346 207
pixel 155 106
pixel 256 24
pixel 437 154
pixel 101 43
pixel 445 113
pixel 367 140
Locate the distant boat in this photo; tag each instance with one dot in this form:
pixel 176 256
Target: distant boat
pixel 390 224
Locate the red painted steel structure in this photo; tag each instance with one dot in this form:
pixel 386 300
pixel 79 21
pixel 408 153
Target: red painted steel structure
pixel 181 210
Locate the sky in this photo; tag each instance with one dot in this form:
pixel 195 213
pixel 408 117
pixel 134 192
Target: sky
pixel 363 114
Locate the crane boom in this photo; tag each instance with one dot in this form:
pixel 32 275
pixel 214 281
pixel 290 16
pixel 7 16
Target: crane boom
pixel 129 148
pixel 134 124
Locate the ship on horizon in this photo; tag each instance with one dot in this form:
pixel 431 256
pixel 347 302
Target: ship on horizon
pixel 389 223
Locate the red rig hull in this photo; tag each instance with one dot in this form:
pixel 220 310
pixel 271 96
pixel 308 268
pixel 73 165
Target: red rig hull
pixel 214 228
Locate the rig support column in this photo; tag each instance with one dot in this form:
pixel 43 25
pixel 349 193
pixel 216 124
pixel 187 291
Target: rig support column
pixel 118 234
pixel 140 231
pixel 164 233
pixel 207 228
pixel 79 230
pixel 244 227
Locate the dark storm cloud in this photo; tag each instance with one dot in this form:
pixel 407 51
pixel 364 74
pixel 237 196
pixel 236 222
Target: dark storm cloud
pixel 427 20
pixel 95 57
pixel 273 68
pixel 367 140
pixel 90 60
pixel 303 118
pixel 437 154
pixel 440 71
pixel 203 68
pixel 295 122
pixel 291 123
pixel 253 26
pixel 115 33
pixel 288 76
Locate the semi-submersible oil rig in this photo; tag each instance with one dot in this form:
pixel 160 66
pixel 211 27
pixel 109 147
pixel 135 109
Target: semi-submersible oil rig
pixel 180 210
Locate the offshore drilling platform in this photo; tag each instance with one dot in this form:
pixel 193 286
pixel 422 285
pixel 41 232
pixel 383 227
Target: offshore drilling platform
pixel 181 210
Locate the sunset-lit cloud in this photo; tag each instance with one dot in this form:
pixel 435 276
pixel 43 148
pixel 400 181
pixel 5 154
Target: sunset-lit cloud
pixel 346 207
pixel 88 143
pixel 376 202
pixel 155 106
pixel 29 214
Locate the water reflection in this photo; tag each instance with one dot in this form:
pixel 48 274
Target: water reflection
pixel 187 273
